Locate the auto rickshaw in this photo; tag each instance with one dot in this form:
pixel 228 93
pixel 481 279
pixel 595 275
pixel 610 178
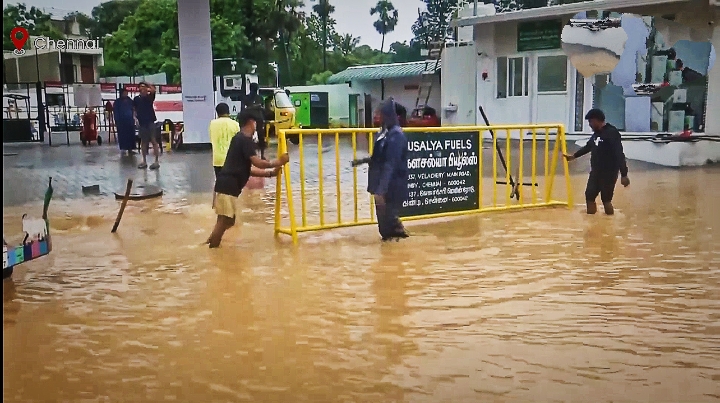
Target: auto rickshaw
pixel 279 110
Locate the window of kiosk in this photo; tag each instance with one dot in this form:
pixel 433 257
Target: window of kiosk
pixel 512 76
pixel 552 74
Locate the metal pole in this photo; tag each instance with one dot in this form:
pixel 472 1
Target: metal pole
pixel 66 95
pixel 325 17
pixel 515 191
pixel 40 106
pixel 475 3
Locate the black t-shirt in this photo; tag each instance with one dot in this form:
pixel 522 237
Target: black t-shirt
pixel 236 171
pixel 144 109
pixel 607 155
pixel 254 102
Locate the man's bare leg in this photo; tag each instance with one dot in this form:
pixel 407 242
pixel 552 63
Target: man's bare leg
pixel 223 224
pixel 144 152
pixel 156 153
pixel 609 210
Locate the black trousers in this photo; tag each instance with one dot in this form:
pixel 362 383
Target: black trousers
pixel 601 183
pixel 388 217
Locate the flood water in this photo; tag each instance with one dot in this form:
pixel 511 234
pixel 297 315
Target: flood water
pixel 545 305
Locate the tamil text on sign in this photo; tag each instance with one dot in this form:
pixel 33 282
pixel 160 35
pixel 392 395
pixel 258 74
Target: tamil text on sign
pixel 443 173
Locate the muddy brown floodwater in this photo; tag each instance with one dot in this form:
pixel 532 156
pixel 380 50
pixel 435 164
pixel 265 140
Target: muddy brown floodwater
pixel 533 306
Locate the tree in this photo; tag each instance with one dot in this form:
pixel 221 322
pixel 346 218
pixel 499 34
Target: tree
pixel 401 52
pixel 320 78
pixel 108 16
pixel 86 22
pixel 33 19
pixel 434 24
pixel 345 44
pixel 324 9
pixel 504 6
pixel 387 19
pixel 141 37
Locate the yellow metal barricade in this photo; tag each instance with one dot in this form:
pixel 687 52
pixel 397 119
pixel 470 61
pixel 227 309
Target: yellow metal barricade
pixel 324 155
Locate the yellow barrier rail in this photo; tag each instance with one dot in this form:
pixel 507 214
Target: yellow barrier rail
pixel 304 178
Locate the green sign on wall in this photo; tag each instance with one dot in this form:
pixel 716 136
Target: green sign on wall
pixel 539 35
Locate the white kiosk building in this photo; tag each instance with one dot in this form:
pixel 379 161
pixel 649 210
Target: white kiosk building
pixel 522 75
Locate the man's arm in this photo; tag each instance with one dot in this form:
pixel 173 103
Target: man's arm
pixel 393 151
pixel 251 153
pixel 134 108
pixel 264 173
pixel 620 156
pixel 584 150
pixel 264 164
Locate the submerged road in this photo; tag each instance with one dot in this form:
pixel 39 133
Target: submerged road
pixel 543 305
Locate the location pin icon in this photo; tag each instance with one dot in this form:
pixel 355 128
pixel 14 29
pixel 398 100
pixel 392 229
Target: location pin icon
pixel 19 42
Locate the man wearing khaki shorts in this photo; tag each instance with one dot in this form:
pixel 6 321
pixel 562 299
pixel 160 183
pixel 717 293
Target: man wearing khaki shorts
pixel 241 162
pixel 145 118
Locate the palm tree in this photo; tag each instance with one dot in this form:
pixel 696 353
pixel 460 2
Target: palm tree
pixel 324 9
pixel 346 44
pixel 387 19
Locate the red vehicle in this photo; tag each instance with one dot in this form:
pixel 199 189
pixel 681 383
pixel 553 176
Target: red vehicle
pixel 420 117
pixel 424 117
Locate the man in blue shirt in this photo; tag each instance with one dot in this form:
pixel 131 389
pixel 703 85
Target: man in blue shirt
pixel 388 173
pixel 145 118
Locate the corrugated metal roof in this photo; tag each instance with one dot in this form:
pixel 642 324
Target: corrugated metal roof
pixel 379 72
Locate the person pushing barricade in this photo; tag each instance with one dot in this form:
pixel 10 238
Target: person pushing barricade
pixel 388 172
pixel 607 160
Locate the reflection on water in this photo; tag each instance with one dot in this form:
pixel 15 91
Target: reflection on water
pixel 544 305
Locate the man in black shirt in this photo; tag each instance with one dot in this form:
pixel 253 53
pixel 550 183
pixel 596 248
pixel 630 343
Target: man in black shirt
pixel 607 159
pixel 241 163
pixel 145 117
pixel 254 101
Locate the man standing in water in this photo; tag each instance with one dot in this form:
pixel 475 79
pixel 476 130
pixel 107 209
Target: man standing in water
pixel 241 162
pixel 123 111
pixel 254 102
pixel 145 117
pixel 221 130
pixel 607 159
pixel 388 173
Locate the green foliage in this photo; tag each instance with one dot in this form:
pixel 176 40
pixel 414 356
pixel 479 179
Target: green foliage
pixel 319 78
pixel 33 19
pixel 86 23
pixel 434 23
pixel 387 19
pixel 108 16
pixel 401 52
pixel 141 37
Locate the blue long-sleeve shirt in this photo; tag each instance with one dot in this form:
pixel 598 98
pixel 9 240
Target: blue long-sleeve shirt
pixel 388 174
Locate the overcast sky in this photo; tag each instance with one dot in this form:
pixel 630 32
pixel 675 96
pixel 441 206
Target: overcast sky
pixel 352 16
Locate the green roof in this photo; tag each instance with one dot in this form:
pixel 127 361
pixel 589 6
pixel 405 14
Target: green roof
pixel 379 72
